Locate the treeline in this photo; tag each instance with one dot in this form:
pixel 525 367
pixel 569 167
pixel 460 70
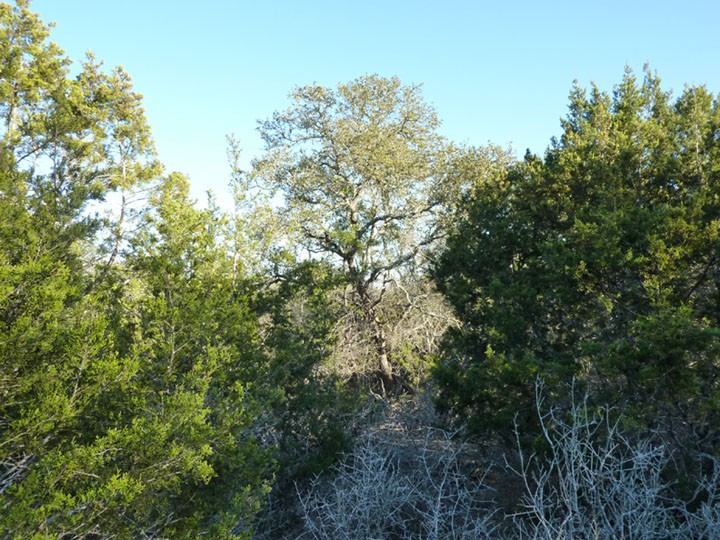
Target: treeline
pixel 171 371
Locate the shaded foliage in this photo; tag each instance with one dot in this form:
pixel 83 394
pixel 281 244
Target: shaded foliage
pixel 597 262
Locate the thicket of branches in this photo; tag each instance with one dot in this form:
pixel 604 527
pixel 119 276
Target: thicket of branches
pixel 591 479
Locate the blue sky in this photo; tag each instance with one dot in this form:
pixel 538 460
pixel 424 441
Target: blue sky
pixel 495 72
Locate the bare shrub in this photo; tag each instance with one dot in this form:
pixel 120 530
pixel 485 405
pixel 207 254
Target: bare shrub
pixel 597 483
pixel 592 481
pixel 382 492
pixel 705 521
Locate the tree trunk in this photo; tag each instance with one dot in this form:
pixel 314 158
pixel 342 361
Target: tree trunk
pixel 387 378
pixel 385 371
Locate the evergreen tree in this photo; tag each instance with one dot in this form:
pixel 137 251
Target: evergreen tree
pixel 599 263
pixel 126 400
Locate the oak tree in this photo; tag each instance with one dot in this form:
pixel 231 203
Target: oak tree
pixel 359 170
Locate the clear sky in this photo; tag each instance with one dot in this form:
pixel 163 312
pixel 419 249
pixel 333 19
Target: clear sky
pixel 495 72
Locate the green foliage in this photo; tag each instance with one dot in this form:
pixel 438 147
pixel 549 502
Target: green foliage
pixel 360 171
pixel 158 382
pixel 137 395
pixel 129 410
pixel 598 262
pixel 198 339
pixel 314 411
pixel 127 404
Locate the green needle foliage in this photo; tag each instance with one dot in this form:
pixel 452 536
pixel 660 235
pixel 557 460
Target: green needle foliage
pixel 598 262
pixel 126 386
